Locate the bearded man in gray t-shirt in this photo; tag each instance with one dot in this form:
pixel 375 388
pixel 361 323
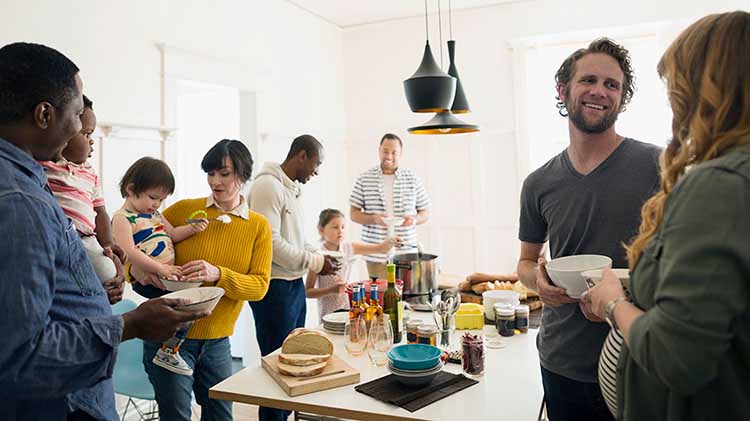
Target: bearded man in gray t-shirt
pixel 586 200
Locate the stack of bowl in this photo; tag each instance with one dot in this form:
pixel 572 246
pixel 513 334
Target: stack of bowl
pixel 335 322
pixel 415 364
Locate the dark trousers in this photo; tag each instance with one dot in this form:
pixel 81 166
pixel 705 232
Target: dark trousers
pixel 148 291
pixel 282 310
pixel 79 415
pixel 211 361
pixel 568 399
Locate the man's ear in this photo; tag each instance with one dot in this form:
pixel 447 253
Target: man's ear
pixel 43 115
pixel 561 91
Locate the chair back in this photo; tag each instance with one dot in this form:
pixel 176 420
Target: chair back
pixel 129 376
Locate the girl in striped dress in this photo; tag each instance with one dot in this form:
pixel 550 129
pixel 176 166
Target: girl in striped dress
pixel 329 289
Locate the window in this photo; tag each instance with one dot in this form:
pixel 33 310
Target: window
pixel 543 133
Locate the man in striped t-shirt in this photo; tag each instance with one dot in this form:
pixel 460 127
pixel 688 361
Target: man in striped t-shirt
pixel 387 190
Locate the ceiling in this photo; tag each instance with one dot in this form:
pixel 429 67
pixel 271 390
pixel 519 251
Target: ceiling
pixel 347 13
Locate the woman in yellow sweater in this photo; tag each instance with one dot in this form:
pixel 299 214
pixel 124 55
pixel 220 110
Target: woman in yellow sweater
pixel 234 256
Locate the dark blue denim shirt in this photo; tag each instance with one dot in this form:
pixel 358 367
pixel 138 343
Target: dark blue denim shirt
pixel 57 332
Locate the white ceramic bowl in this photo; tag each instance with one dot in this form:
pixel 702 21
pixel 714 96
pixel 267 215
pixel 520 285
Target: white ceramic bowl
pixel 339 256
pixel 415 379
pixel 201 299
pixel 490 298
pixel 565 272
pixel 178 285
pixel 596 275
pixel 394 221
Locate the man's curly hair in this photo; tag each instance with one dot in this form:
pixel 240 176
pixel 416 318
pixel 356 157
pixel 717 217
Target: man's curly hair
pixel 600 45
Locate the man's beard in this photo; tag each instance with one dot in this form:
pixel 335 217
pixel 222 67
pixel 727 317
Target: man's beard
pixel 576 116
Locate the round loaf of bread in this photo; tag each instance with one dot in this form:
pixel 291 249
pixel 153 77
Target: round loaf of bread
pixel 301 360
pixel 307 341
pixel 307 371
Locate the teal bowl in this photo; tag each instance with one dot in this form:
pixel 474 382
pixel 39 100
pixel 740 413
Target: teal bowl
pixel 414 356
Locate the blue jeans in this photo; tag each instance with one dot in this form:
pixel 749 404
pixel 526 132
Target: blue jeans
pixel 211 361
pixel 569 399
pixel 282 310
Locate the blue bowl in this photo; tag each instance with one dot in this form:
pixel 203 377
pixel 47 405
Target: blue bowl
pixel 414 356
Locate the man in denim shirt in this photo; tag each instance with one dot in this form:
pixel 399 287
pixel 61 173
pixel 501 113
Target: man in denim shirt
pixel 59 335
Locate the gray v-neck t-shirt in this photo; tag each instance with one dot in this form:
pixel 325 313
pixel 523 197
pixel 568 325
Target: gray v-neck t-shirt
pixel 585 214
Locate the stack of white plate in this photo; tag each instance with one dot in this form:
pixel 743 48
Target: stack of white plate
pixel 415 377
pixel 335 322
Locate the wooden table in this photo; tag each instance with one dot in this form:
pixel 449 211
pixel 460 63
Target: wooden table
pixel 511 388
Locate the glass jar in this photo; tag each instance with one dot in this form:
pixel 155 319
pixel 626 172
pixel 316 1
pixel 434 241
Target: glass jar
pixel 411 331
pixel 427 334
pixel 522 318
pixel 473 358
pixel 505 319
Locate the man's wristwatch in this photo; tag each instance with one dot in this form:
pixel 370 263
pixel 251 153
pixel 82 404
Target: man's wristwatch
pixel 611 311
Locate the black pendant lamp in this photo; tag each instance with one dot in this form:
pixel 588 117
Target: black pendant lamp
pixel 444 123
pixel 429 89
pixel 460 103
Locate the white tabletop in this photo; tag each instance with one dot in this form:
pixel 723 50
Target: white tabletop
pixel 511 388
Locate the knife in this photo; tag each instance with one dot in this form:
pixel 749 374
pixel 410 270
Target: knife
pixel 321 375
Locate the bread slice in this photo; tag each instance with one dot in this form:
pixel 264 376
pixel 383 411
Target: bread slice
pixel 307 341
pixel 307 371
pixel 302 360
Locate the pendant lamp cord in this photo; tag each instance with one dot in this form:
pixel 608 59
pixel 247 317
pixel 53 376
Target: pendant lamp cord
pixel 450 18
pixel 426 28
pixel 440 26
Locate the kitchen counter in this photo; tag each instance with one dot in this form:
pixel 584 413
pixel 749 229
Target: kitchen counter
pixel 511 388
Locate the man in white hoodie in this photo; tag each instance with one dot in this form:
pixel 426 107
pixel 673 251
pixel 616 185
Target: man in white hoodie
pixel 275 194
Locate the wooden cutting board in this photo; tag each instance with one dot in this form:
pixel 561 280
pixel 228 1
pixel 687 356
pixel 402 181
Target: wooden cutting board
pixel 295 386
pixel 472 297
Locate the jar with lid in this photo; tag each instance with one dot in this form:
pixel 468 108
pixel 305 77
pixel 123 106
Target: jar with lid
pixel 505 319
pixel 411 331
pixel 473 357
pixel 522 318
pixel 427 334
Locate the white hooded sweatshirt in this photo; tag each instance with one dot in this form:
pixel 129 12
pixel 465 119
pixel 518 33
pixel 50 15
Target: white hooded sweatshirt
pixel 275 196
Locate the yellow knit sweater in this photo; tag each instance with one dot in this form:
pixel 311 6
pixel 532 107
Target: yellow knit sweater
pixel 241 250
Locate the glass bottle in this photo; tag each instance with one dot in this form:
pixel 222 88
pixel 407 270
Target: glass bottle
pixel 354 310
pixel 374 309
pixel 392 304
pixel 362 303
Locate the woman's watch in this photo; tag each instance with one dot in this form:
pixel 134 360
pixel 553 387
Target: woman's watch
pixel 610 316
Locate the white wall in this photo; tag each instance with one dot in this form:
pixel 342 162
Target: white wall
pixel 474 179
pixel 284 61
pixel 291 59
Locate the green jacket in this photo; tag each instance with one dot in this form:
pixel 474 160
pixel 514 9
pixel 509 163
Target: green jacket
pixel 689 355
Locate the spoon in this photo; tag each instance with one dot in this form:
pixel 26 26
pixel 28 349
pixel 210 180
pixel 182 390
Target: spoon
pixel 221 218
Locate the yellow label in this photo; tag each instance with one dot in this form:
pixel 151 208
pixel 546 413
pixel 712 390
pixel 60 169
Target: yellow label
pixel 400 316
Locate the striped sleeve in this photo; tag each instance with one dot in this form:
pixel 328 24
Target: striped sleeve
pixel 423 199
pixel 97 196
pixel 357 198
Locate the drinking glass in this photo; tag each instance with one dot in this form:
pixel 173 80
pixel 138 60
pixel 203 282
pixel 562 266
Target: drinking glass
pixel 355 336
pixel 379 340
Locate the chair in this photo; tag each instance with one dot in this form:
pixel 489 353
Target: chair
pixel 129 376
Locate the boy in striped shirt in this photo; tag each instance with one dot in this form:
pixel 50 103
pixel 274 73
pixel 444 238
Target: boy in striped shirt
pixel 77 189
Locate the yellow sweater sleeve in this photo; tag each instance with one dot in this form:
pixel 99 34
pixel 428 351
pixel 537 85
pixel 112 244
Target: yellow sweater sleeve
pixel 253 285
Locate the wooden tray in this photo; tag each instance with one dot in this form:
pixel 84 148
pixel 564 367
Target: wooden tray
pixel 295 386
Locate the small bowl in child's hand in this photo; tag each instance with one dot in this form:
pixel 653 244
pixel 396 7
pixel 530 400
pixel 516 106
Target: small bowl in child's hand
pixel 173 285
